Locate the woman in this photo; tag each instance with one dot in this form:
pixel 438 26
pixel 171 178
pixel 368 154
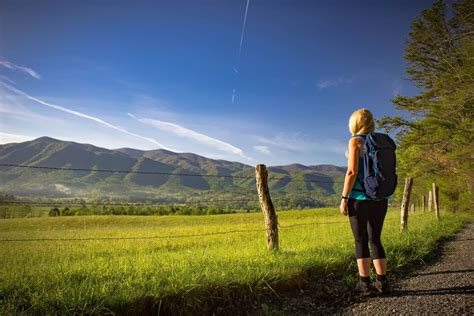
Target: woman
pixel 366 216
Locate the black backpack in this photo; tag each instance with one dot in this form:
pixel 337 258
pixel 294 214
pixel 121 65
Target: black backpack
pixel 380 178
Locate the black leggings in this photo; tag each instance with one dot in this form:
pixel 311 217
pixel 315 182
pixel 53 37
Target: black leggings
pixel 366 218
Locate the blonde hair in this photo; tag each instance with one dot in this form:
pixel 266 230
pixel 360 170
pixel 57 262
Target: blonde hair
pixel 361 122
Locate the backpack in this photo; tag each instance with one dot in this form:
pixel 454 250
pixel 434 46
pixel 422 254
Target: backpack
pixel 380 178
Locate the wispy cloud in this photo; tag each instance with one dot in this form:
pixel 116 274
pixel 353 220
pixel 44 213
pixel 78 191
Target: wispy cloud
pixel 26 70
pixel 262 149
pixel 333 83
pixel 6 79
pixel 6 138
pixel 82 115
pixel 301 143
pixel 188 133
pixel 12 105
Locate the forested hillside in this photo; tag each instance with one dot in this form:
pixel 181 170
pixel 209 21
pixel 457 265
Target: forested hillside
pixel 173 178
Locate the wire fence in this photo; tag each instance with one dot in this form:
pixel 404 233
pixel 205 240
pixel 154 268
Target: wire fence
pixel 107 204
pixel 208 201
pixel 98 203
pixel 165 173
pixel 182 236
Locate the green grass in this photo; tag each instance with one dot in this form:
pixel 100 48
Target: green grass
pixel 57 277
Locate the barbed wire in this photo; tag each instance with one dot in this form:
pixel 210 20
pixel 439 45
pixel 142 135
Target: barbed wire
pixel 134 238
pixel 178 236
pixel 62 203
pixel 324 223
pixel 105 203
pixel 126 171
pixel 165 173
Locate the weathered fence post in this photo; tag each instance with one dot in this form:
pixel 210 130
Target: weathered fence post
pixel 405 202
pixel 271 221
pixel 430 201
pixel 436 200
pixel 423 203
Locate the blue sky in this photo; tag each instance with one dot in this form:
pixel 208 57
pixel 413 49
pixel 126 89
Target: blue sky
pixel 161 74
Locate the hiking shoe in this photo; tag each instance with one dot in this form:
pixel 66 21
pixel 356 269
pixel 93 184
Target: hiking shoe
pixel 363 288
pixel 382 286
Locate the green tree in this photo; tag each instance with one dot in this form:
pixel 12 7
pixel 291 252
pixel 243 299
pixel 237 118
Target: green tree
pixel 436 141
pixel 66 212
pixel 54 212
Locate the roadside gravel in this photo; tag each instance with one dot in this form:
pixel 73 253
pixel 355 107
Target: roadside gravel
pixel 444 288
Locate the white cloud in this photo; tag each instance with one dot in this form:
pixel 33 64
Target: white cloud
pixel 6 79
pixel 6 138
pixel 325 84
pixel 26 70
pixel 262 149
pixel 82 115
pixel 301 143
pixel 188 133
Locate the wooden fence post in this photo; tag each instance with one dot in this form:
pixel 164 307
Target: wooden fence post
pixel 405 202
pixel 430 201
pixel 423 203
pixel 436 200
pixel 271 221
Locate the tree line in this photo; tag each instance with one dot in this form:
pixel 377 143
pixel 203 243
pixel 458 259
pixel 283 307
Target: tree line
pixel 436 134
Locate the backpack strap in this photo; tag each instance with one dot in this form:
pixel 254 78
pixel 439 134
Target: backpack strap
pixel 360 136
pixel 363 137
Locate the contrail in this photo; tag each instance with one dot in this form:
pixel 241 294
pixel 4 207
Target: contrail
pixel 233 96
pixel 88 117
pixel 191 134
pixel 243 29
pixel 236 69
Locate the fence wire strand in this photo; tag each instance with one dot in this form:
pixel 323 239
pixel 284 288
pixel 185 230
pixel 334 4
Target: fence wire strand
pixel 103 203
pixel 165 173
pixel 180 236
pixel 62 203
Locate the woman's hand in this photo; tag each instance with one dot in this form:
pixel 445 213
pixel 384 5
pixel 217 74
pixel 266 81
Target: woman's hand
pixel 344 209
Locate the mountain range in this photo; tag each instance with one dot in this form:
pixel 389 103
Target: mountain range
pixel 173 184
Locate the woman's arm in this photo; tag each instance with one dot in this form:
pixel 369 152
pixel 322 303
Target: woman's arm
pixel 352 165
pixel 355 145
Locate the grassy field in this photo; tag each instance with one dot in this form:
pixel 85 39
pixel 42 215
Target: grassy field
pixel 95 276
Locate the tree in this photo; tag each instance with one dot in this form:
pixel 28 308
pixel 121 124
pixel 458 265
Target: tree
pixel 54 212
pixel 436 141
pixel 66 211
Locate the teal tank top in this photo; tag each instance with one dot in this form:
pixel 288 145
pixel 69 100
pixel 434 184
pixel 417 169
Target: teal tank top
pixel 357 192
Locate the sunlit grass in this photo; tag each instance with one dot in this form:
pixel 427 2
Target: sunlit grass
pixel 93 275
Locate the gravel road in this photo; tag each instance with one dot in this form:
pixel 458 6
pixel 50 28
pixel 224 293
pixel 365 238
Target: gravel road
pixel 444 288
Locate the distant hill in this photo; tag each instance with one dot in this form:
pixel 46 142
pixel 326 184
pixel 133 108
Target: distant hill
pixel 92 185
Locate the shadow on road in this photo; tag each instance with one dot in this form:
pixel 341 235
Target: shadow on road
pixel 444 272
pixel 452 290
